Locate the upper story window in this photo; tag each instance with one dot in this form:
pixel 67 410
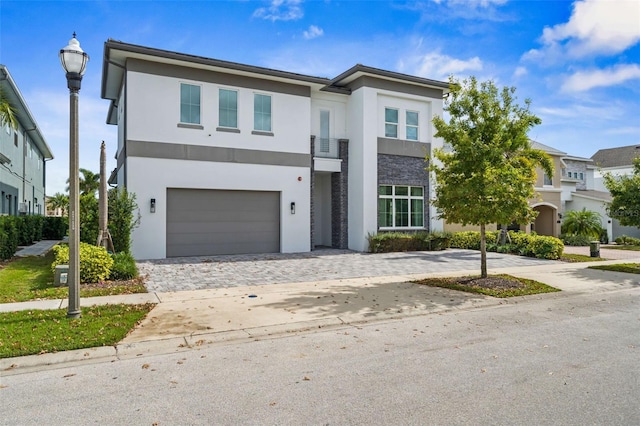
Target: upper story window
pixel 189 103
pixel 262 112
pixel 390 123
pixel 548 181
pixel 324 130
pixel 228 108
pixel 400 206
pixel 412 125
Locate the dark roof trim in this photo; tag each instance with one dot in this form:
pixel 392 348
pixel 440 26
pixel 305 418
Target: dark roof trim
pixel 23 113
pixel 183 57
pixel 359 68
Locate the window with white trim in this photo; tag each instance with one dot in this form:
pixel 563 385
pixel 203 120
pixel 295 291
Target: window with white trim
pixel 261 112
pixel 412 125
pixel 400 206
pixel 189 103
pixel 390 123
pixel 228 108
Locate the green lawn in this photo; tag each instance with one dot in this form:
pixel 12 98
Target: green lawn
pixel 623 247
pixel 31 278
pixel 579 258
pixel 36 332
pixel 631 268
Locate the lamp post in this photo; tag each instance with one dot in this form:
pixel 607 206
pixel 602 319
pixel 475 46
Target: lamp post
pixel 74 61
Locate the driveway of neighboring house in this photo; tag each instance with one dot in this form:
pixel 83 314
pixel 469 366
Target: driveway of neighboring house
pixel 195 273
pixel 609 254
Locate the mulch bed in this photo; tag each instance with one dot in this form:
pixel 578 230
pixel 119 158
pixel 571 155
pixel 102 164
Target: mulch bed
pixel 494 282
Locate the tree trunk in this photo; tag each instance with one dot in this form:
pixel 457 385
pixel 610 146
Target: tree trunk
pixel 483 252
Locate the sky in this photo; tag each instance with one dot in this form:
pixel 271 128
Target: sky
pixel 577 61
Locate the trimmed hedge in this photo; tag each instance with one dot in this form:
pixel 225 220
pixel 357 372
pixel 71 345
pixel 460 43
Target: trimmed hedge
pixel 25 230
pixel 397 241
pixel 532 245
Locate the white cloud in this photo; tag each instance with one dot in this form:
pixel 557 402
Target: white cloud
pixel 280 10
pixel 519 72
pixel 313 32
pixel 438 66
pixel 585 80
pixel 595 27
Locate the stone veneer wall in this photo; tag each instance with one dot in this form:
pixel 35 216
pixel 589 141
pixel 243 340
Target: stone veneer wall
pixel 580 167
pixel 401 170
pixel 339 199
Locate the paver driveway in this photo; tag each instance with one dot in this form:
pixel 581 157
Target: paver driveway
pixel 194 273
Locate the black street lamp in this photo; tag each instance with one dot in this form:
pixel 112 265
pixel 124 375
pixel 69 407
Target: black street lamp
pixel 74 61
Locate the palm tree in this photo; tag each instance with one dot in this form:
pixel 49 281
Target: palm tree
pixel 59 201
pixel 7 113
pixel 89 183
pixel 584 222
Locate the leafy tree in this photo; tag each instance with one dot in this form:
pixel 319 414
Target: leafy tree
pixel 59 201
pixel 122 218
pixel 625 193
pixel 583 223
pixel 88 183
pixel 88 218
pixel 488 176
pixel 7 113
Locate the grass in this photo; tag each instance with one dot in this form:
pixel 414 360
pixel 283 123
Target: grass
pixel 631 268
pixel 37 332
pixel 515 286
pixel 624 247
pixel 572 258
pixel 31 278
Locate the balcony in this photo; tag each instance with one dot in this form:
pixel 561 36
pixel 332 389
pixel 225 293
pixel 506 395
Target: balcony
pixel 326 148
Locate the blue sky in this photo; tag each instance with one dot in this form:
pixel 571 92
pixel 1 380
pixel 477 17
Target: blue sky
pixel 578 61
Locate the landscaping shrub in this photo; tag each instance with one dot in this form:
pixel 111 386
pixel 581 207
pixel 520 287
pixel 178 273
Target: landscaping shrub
pixel 124 267
pixel 8 237
pixel 471 240
pixel 575 240
pixel 628 241
pixel 95 262
pixel 122 219
pixel 89 222
pixel 386 242
pixel 544 247
pixel 523 244
pixel 54 227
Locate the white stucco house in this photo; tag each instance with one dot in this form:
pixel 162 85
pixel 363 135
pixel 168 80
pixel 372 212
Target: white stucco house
pixel 227 158
pixel 23 156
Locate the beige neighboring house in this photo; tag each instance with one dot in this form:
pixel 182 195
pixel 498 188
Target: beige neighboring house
pixel 618 162
pixel 570 188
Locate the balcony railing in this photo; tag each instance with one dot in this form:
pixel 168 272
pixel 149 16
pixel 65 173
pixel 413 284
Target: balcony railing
pixel 326 148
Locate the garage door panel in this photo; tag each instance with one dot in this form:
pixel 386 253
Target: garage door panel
pixel 211 222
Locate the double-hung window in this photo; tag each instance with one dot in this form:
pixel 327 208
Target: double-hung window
pixel 548 181
pixel 400 206
pixel 228 108
pixel 390 123
pixel 412 126
pixel 261 112
pixel 189 103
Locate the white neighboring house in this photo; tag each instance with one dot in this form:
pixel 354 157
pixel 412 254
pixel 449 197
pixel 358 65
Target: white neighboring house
pixel 227 158
pixel 618 162
pixel 23 156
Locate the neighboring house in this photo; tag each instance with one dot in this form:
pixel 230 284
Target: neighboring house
pixel 227 158
pixel 570 188
pixel 618 162
pixel 23 156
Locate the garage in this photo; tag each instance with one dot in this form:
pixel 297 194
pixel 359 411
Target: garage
pixel 203 222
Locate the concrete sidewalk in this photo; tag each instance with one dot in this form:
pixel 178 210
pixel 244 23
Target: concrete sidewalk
pixel 189 319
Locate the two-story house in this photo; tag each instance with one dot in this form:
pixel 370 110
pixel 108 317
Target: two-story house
pixel 23 156
pixel 228 158
pixel 618 162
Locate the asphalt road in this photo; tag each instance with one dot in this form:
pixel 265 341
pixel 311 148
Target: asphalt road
pixel 552 359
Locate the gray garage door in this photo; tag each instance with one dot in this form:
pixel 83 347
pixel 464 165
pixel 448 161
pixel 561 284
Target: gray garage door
pixel 202 222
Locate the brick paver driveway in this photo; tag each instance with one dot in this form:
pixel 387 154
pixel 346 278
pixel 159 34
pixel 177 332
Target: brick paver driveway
pixel 194 273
